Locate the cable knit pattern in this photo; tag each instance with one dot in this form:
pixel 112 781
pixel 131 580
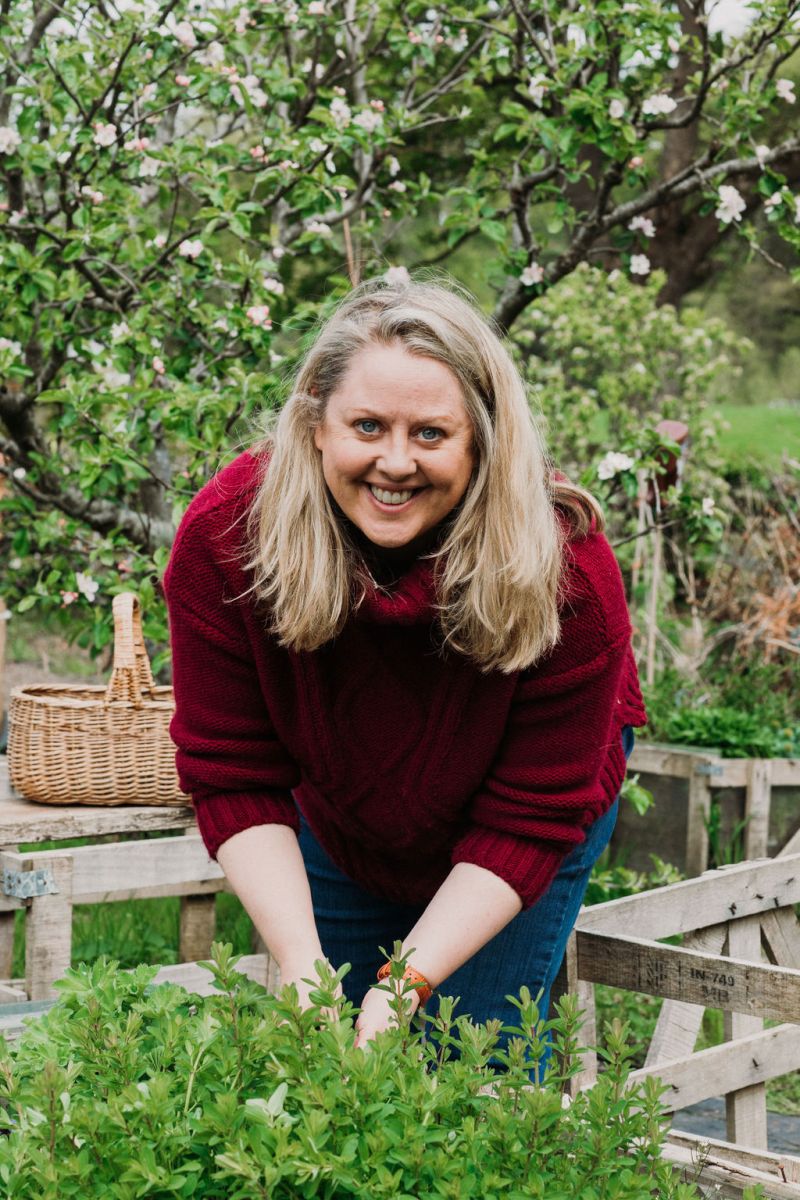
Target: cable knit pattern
pixel 403 761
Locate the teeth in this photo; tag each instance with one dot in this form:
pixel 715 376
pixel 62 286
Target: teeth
pixel 390 497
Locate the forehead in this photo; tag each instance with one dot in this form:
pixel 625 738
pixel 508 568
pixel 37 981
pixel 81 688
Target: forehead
pixel 390 378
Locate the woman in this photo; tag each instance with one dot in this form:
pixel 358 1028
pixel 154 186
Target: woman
pixel 402 666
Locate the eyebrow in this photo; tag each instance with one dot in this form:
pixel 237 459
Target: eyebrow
pixel 435 419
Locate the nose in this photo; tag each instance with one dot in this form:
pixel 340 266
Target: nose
pixel 395 458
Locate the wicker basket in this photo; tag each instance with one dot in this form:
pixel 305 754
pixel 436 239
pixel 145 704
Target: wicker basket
pixel 95 745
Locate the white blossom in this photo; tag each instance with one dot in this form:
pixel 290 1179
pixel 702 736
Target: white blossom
pixel 259 315
pixel 182 31
pixel 91 194
pixel 797 208
pixel 340 112
pixel 111 377
pixel 158 365
pixel 9 139
pixel 212 55
pixel 160 241
pixel 148 167
pixel 316 8
pixel 658 104
pixel 673 44
pixel 273 285
pixel 148 91
pixel 784 89
pixel 616 109
pixel 709 507
pixel 368 120
pixel 119 331
pixel 255 93
pixel 761 154
pixel 537 88
pixel 640 264
pixel 731 204
pixel 397 185
pixel 19 472
pixel 86 585
pixel 278 251
pixel 393 165
pixel 533 273
pixel 14 347
pixel 613 463
pixel 397 275
pixel 104 135
pixel 644 225
pixel 190 249
pixel 320 228
pixel 773 201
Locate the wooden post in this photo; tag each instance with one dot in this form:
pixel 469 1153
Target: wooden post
pixel 48 930
pixel 746 1109
pixel 697 822
pixel 198 923
pixel 584 993
pixel 757 804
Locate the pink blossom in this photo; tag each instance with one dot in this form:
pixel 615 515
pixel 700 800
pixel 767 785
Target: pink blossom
pixel 533 274
pixel 316 8
pixel 139 143
pixel 182 80
pixel 340 112
pixel 68 598
pixel 148 167
pixel 773 201
pixel 368 120
pixel 784 90
pixel 414 37
pixel 640 264
pixel 159 241
pixel 257 151
pixel 158 365
pixel 673 44
pixel 378 105
pixel 397 186
pixel 91 194
pixel 104 134
pixel 259 315
pixel 273 285
pixel 636 162
pixel 191 249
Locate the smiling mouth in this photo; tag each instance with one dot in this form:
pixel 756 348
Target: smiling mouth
pixel 394 497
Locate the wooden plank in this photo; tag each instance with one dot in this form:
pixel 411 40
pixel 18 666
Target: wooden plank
pixel 679 1023
pixel 726 1068
pixel 783 1167
pixel 746 1108
pixel 785 772
pixel 12 995
pixel 697 824
pixel 24 821
pixel 740 890
pixel 756 809
pixel 781 931
pixel 7 923
pixel 708 1166
pixel 732 984
pixel 48 930
pixel 791 847
pixel 130 870
pixel 199 979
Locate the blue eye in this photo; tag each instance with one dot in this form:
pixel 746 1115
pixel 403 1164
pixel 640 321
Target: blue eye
pixel 430 429
pixel 367 421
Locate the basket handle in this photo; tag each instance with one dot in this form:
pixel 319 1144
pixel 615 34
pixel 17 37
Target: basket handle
pixel 131 675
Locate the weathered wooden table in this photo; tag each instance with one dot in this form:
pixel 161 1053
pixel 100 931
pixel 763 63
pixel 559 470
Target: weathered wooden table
pixel 47 883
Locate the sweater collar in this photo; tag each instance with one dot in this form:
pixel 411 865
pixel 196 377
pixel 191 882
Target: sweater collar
pixel 412 601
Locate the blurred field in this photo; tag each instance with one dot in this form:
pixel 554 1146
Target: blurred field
pixel 761 431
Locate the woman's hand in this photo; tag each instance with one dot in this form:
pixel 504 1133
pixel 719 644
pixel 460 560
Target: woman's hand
pixel 377 1014
pixel 297 974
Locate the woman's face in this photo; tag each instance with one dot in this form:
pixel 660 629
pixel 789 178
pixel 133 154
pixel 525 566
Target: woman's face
pixel 396 444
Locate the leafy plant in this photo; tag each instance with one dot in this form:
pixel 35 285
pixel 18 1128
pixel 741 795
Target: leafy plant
pixel 125 1089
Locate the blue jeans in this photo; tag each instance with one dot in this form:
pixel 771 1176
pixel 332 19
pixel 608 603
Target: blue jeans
pixel 352 924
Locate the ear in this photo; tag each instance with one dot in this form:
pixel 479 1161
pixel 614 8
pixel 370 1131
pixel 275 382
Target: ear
pixel 318 437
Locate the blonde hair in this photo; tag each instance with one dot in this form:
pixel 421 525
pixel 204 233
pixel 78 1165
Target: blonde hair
pixel 498 569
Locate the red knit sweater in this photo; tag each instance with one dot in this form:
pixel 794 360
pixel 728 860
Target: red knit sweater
pixel 403 762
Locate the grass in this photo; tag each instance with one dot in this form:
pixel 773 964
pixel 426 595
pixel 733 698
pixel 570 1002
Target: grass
pixel 762 432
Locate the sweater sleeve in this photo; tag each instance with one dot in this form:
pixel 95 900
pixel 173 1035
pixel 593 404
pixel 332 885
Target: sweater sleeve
pixel 561 762
pixel 228 756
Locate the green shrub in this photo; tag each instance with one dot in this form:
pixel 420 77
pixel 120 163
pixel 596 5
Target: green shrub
pixel 125 1089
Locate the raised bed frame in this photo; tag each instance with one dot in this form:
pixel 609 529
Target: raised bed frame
pixel 705 771
pixel 731 920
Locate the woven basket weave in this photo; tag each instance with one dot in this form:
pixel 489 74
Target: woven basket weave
pixel 95 745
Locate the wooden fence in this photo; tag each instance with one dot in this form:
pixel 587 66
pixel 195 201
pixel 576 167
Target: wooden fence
pixel 706 772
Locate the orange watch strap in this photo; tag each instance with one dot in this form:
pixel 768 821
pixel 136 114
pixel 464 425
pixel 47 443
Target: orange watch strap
pixel 414 977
